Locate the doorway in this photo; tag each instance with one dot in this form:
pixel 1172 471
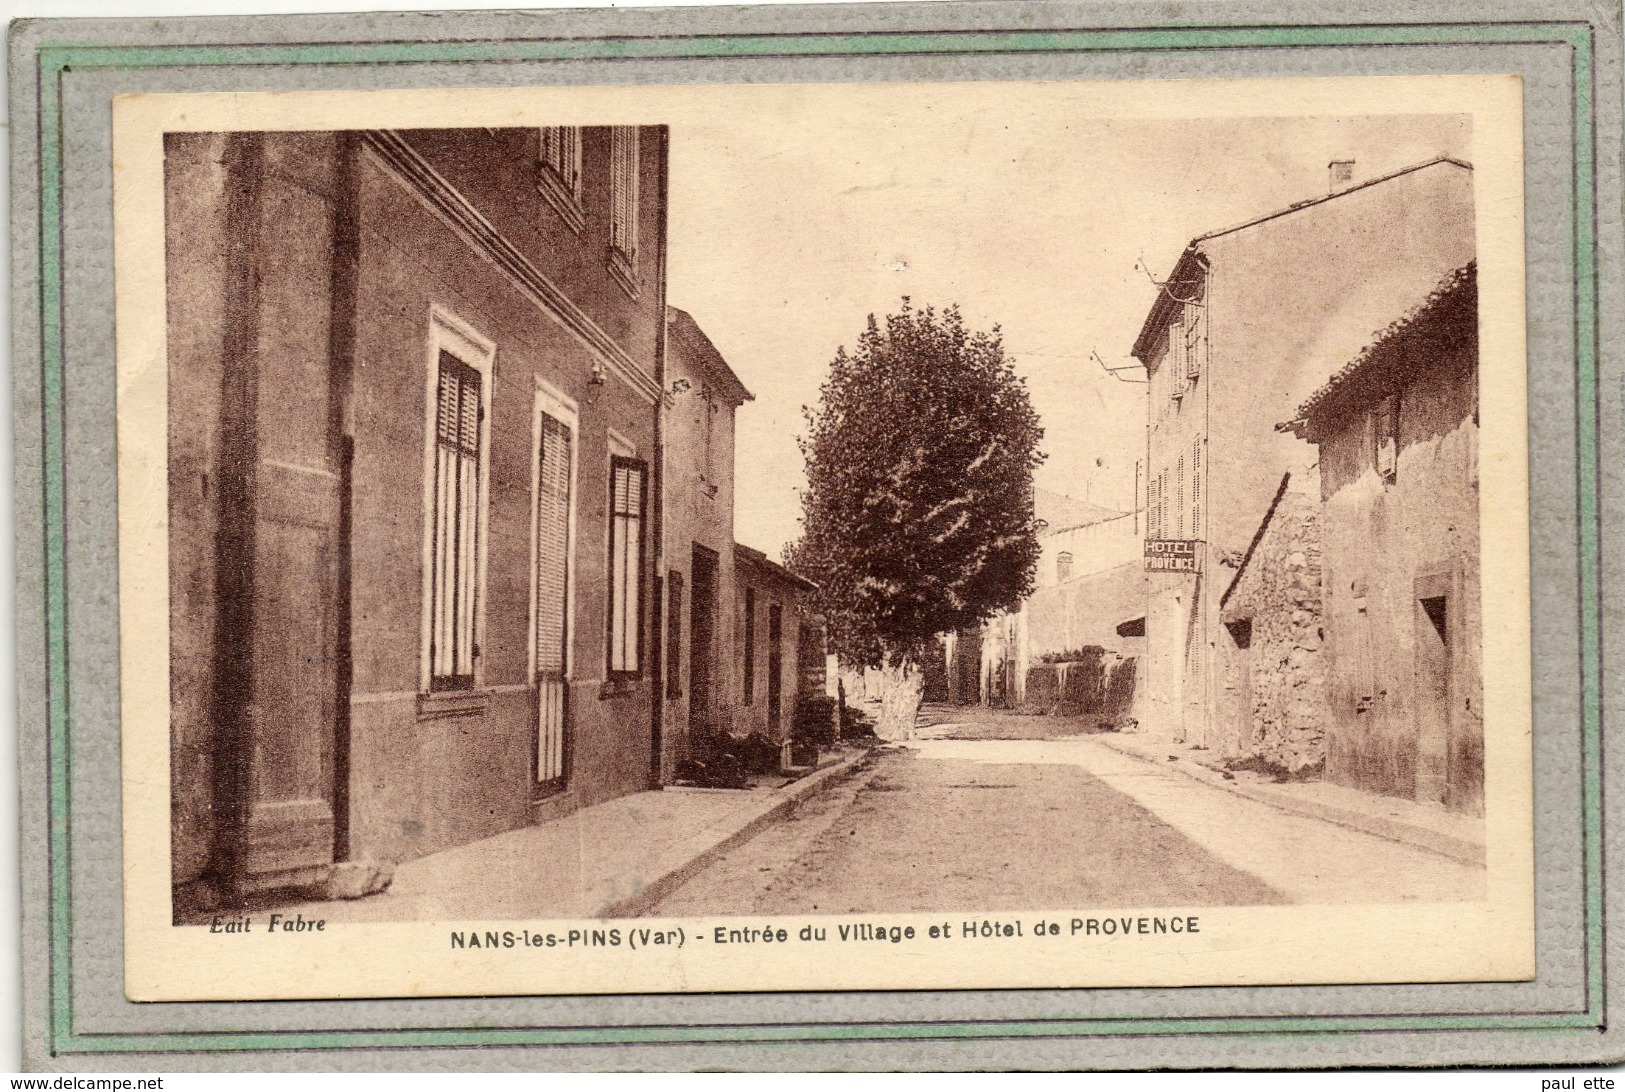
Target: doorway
pixel 1453 739
pixel 775 668
pixel 702 640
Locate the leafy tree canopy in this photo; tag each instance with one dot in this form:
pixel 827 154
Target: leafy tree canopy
pixel 918 514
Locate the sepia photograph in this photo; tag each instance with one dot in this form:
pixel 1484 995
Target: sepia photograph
pixel 824 536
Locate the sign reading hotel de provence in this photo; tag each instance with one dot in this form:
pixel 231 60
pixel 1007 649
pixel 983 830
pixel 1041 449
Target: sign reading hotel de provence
pixel 1172 555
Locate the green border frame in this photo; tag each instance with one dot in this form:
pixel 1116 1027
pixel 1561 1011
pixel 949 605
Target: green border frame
pixel 54 58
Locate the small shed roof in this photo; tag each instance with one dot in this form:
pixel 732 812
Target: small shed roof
pixel 747 556
pixel 1445 320
pixel 698 349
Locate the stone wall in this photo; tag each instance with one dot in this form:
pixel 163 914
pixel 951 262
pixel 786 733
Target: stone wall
pixel 1273 708
pixel 1103 687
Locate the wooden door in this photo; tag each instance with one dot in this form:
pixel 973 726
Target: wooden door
pixel 702 642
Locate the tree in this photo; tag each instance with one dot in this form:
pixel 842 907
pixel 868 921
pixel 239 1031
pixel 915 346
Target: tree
pixel 918 513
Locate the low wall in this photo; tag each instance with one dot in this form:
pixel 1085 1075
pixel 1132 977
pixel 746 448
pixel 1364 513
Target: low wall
pixel 1103 687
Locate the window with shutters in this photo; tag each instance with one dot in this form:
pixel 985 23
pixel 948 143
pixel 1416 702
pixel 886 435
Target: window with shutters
pixel 1179 500
pixel 1195 343
pixel 456 524
pixel 1196 487
pixel 559 172
pixel 1063 567
pixel 1176 357
pixel 623 220
pixel 1155 508
pixel 627 505
pixel 555 478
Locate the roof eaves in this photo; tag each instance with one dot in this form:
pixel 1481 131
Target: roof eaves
pixel 1188 270
pixel 758 558
pixel 707 356
pixel 1458 288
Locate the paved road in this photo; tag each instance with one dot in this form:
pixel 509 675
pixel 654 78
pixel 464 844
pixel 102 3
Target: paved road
pixel 987 822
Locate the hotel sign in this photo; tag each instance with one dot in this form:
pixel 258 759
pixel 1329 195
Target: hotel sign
pixel 1173 555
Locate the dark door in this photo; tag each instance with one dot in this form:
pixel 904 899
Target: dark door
pixel 1433 696
pixel 702 641
pixel 775 666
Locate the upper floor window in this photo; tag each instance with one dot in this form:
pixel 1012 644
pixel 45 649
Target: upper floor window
pixel 1195 343
pixel 708 422
pixel 1196 487
pixel 1063 567
pixel 559 174
pixel 1385 438
pixel 623 220
pixel 1175 359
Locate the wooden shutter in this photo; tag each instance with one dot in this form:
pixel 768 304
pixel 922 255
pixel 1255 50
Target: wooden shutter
pixel 458 417
pixel 626 565
pixel 1196 487
pixel 552 543
pixel 623 232
pixel 1179 499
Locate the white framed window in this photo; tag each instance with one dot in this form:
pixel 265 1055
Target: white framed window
pixel 559 172
pixel 628 479
pixel 623 219
pixel 456 485
pixel 554 466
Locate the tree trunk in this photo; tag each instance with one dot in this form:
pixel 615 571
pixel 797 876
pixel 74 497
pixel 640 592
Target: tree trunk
pixel 900 701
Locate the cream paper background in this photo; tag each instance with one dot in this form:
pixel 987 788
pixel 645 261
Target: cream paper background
pixel 1488 941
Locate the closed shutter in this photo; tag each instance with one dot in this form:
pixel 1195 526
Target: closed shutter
pixel 623 229
pixel 552 543
pixel 1179 500
pixel 1196 487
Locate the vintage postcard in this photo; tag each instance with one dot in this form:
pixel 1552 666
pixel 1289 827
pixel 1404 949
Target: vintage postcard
pixel 824 536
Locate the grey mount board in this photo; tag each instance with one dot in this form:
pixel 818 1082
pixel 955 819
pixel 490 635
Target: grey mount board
pixel 76 1018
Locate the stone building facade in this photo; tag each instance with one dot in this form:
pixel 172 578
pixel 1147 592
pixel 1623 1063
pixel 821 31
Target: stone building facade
pixel 1272 696
pixel 1397 434
pixel 1251 319
pixel 697 485
pixel 413 489
pixel 771 620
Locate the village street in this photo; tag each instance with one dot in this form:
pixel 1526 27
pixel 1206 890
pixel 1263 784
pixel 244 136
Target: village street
pixel 972 816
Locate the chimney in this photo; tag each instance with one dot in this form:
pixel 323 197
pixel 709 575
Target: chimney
pixel 1342 175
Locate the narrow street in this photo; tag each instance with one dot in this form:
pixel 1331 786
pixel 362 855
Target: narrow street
pixel 973 817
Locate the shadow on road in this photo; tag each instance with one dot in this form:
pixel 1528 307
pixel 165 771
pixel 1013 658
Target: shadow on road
pixel 942 721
